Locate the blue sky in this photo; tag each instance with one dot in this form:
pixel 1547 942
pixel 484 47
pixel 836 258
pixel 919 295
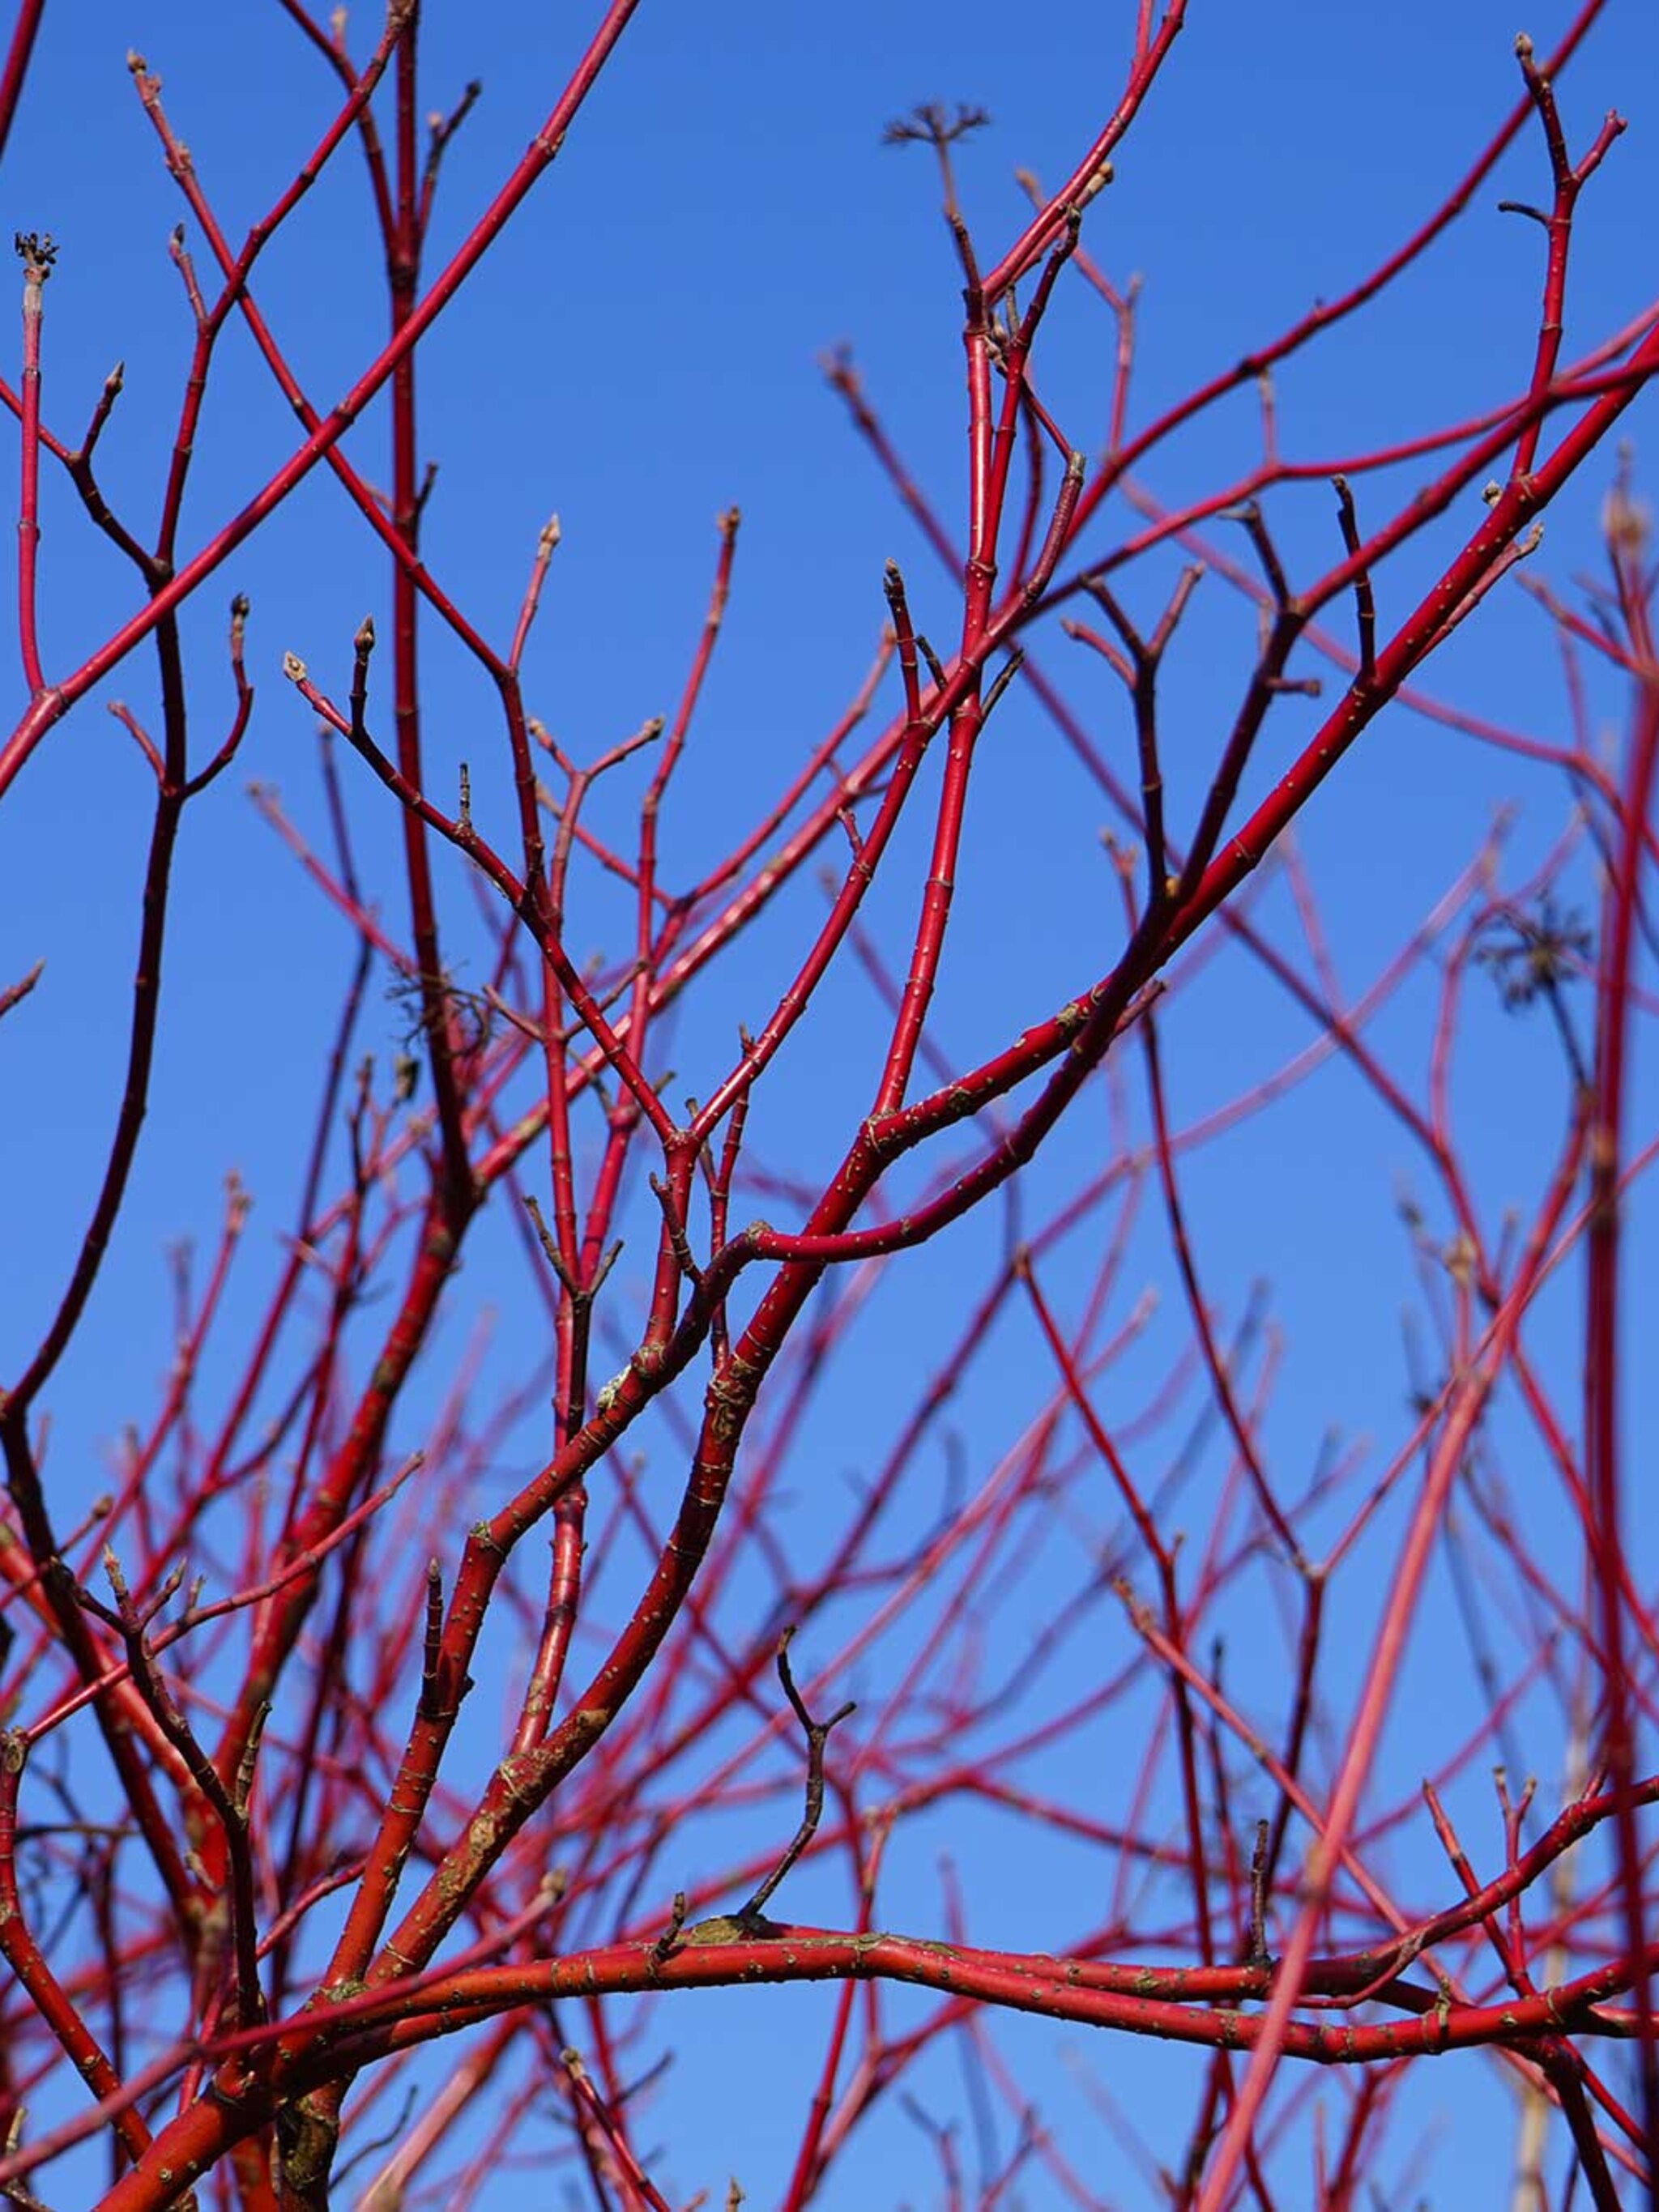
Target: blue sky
pixel 641 352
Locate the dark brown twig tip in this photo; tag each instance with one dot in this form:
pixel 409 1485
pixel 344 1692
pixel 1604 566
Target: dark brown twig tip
pixel 247 1766
pixel 432 1641
pixel 567 1280
pixel 670 1936
pixel 1004 676
pixel 1259 1954
pixel 674 1227
pixel 818 1735
pixel 604 1268
pixel 928 124
pixel 444 127
pixel 21 989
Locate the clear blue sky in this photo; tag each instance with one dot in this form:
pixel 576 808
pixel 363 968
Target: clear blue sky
pixel 638 354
